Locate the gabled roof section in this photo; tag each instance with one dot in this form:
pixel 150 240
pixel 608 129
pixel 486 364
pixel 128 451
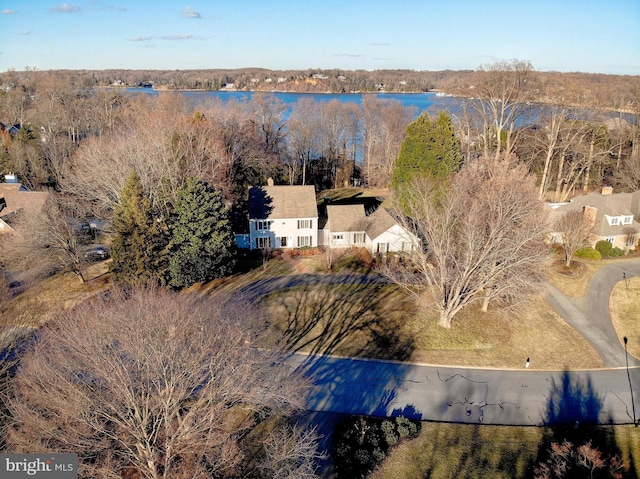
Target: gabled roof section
pixel 379 222
pixel 18 198
pixel 276 202
pixel 346 218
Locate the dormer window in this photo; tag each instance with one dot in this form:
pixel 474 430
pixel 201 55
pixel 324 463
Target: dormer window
pixel 613 220
pixel 627 220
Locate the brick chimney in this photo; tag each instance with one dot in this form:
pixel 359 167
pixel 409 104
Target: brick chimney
pixel 590 213
pixel 607 190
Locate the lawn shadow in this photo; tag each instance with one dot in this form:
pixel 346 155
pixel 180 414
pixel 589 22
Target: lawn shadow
pixel 355 315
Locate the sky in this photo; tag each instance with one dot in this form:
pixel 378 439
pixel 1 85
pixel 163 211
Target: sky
pixel 563 35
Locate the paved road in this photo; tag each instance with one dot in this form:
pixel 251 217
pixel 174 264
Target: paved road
pixel 464 395
pixel 488 396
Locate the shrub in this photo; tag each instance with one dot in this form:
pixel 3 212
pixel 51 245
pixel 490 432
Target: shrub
pixel 616 252
pixel 588 253
pixel 361 443
pixel 604 247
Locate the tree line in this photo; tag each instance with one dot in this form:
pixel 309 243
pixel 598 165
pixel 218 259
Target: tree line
pixel 83 144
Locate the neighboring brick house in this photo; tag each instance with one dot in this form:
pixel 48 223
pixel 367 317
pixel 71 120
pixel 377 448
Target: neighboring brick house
pixel 610 216
pixel 15 200
pixel 282 217
pixel 350 226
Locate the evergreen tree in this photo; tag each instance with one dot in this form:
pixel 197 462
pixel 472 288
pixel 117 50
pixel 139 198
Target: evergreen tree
pixel 430 148
pixel 203 245
pixel 140 245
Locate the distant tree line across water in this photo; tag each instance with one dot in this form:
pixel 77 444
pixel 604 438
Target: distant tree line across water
pixel 593 89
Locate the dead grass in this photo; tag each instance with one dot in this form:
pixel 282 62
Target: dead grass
pixel 503 340
pixel 575 285
pixel 444 451
pixel 59 292
pixel 624 305
pixel 348 320
pixel 353 320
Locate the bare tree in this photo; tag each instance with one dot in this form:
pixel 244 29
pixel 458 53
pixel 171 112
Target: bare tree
pixel 503 90
pixel 304 127
pixel 162 385
pixel 383 128
pixel 481 239
pixel 574 228
pixel 20 318
pixel 630 238
pixel 46 242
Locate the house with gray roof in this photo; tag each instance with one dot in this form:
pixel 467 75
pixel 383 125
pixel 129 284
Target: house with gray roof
pixel 609 216
pixel 282 216
pixel 287 217
pixel 349 226
pixel 16 200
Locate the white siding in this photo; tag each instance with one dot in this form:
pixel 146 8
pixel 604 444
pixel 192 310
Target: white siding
pixel 395 239
pixel 284 228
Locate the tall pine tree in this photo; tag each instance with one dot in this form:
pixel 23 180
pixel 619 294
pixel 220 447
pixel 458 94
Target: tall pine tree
pixel 430 148
pixel 203 245
pixel 139 248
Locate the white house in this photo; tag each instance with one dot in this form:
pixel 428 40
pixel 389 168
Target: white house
pixel 282 217
pixel 350 226
pixel 385 235
pixel 345 226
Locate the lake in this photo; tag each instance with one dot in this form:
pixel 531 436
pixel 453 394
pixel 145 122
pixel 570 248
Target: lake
pixel 430 102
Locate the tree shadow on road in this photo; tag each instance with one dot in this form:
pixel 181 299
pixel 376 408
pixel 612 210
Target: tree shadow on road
pixel 575 414
pixel 351 387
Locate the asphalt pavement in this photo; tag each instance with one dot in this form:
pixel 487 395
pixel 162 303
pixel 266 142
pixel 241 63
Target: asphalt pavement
pixel 474 396
pixel 485 396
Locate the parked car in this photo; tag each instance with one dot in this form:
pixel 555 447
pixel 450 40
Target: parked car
pixel 97 253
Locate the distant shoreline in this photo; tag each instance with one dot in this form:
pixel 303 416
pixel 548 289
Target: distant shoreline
pixel 235 90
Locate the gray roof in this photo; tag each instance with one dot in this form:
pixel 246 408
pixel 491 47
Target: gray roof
pixel 617 204
pixel 379 222
pixel 343 218
pixel 18 198
pixel 282 202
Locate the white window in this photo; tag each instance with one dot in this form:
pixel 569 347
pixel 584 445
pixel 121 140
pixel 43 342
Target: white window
pixel 382 247
pixel 263 243
pixel 338 236
pixel 614 220
pixel 627 220
pixel 263 224
pixel 304 224
pixel 406 246
pixel 611 239
pixel 304 241
pixel 283 241
pixel 358 238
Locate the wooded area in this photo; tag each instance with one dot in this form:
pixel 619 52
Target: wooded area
pixel 573 132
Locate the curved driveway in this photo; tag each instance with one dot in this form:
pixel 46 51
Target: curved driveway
pixel 489 396
pixel 590 316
